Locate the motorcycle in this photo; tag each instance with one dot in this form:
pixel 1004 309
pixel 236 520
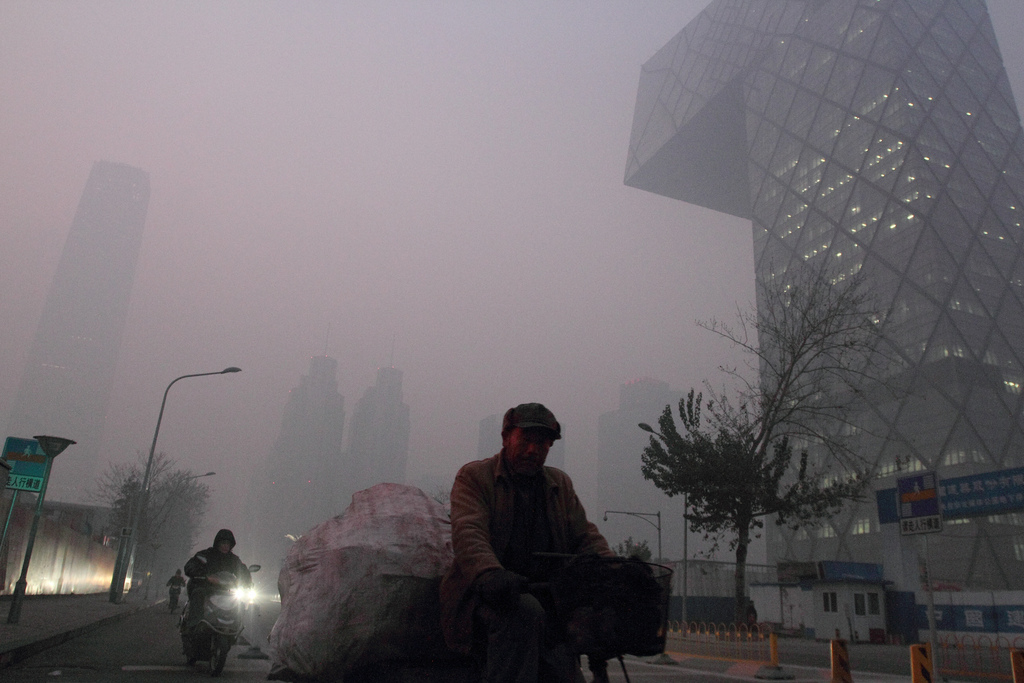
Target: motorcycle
pixel 220 624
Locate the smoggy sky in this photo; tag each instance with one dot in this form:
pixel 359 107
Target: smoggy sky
pixel 440 178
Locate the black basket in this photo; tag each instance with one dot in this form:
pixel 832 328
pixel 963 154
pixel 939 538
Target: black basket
pixel 613 606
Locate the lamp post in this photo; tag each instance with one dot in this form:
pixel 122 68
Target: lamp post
pixel 643 516
pixel 52 446
pixel 686 558
pixel 126 548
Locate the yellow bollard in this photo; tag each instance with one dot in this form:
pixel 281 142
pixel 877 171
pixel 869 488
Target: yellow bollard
pixel 921 663
pixel 1017 665
pixel 840 663
pixel 773 645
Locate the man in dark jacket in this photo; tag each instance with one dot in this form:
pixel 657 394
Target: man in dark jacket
pixel 203 565
pixel 507 511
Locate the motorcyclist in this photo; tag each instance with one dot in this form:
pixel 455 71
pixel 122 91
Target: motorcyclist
pixel 174 585
pixel 201 569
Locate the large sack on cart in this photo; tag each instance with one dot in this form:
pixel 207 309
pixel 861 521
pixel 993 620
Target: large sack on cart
pixel 361 589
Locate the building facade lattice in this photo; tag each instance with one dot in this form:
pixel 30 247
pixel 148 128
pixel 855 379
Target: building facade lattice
pixel 879 138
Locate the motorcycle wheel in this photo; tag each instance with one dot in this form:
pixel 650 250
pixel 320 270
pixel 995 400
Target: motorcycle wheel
pixel 219 654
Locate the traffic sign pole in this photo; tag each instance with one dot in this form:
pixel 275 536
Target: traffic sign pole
pixel 932 638
pixel 52 446
pixel 7 524
pixel 19 588
pixel 920 511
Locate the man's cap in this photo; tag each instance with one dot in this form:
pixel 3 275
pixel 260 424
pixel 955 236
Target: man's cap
pixel 531 415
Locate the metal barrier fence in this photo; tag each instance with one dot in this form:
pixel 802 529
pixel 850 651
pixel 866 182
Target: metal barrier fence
pixel 979 656
pixel 730 642
pixel 707 578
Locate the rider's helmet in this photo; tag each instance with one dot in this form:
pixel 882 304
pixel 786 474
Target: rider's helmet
pixel 224 535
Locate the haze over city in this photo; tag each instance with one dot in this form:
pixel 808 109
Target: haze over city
pixel 434 186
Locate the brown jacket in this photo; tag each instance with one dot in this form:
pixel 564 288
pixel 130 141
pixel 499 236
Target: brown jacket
pixel 482 500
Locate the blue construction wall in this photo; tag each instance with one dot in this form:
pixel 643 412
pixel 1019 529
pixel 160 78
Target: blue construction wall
pixel 990 613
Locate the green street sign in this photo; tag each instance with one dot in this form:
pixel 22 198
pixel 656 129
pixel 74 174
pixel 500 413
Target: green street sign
pixel 28 464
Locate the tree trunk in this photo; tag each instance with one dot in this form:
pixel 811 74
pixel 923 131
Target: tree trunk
pixel 742 541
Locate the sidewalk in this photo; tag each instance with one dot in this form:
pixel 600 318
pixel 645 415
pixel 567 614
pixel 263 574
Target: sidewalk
pixel 49 620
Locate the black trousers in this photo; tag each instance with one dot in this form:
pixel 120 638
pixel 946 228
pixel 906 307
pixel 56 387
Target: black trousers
pixel 516 640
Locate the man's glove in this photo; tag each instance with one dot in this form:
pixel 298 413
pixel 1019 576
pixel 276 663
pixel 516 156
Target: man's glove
pixel 498 587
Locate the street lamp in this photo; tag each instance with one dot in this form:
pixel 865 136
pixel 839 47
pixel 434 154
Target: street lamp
pixel 643 516
pixel 52 447
pixel 124 555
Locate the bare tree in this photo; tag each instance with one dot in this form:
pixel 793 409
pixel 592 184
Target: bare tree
pixel 778 444
pixel 174 511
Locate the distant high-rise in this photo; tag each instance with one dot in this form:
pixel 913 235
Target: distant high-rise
pixel 878 138
pixel 66 384
pixel 378 445
pixel 489 442
pixel 305 480
pixel 620 483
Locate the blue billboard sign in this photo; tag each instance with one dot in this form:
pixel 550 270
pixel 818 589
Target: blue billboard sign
pixel 975 495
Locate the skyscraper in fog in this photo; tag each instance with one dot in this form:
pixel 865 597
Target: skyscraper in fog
pixel 305 480
pixel 378 446
pixel 620 483
pixel 66 384
pixel 489 441
pixel 874 137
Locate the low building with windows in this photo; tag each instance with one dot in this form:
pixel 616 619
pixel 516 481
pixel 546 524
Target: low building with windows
pixel 849 602
pixel 842 600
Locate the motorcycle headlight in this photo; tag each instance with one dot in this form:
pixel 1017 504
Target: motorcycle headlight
pixel 245 594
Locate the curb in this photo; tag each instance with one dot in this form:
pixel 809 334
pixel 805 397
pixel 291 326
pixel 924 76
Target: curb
pixel 26 650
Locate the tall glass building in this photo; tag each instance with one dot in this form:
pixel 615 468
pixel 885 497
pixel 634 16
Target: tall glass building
pixel 66 385
pixel 874 136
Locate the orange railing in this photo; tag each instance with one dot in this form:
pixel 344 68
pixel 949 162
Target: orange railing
pixel 732 642
pixel 979 656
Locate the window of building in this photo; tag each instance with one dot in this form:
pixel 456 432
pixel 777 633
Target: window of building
pixel 825 531
pixel 873 604
pixel 1012 518
pixel 830 602
pixel 1018 548
pixel 859 605
pixel 862 526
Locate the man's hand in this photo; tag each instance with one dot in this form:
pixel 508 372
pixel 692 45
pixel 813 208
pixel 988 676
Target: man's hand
pixel 498 587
